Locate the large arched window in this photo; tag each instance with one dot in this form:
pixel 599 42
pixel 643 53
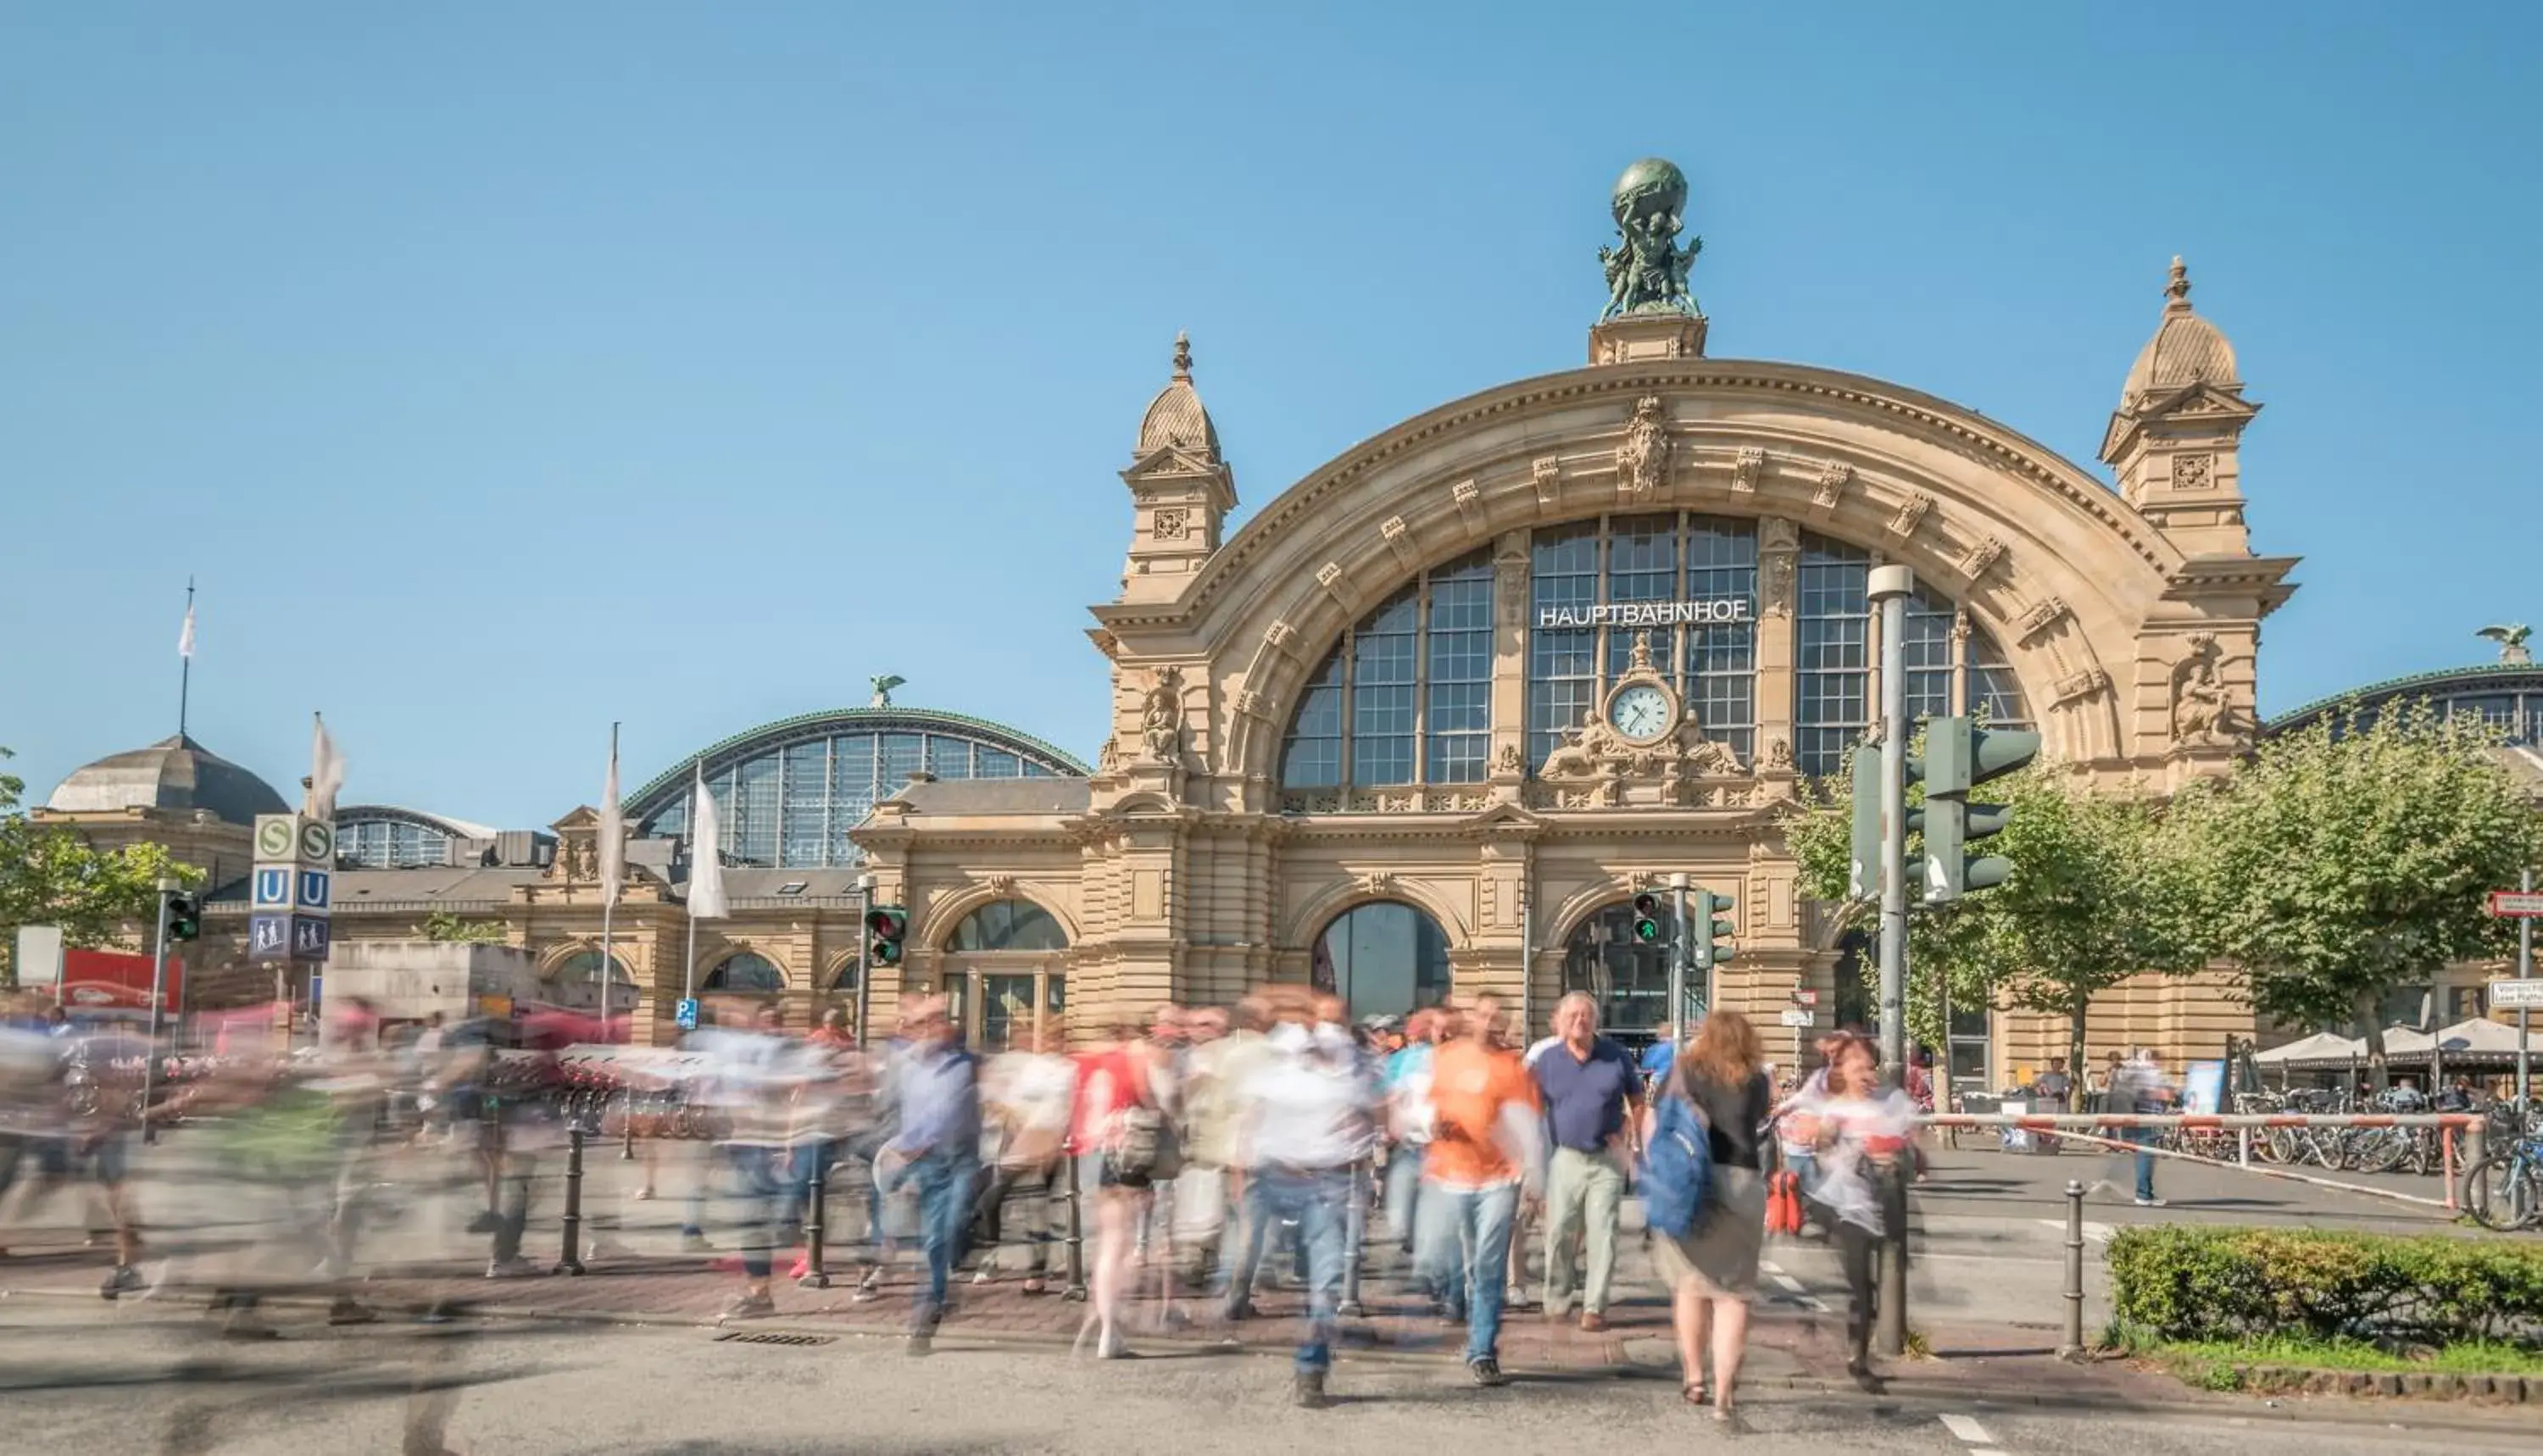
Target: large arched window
pixel 1953 665
pixel 1582 575
pixel 1008 925
pixel 746 973
pixel 1406 696
pixel 1627 976
pixel 1384 959
pixel 583 968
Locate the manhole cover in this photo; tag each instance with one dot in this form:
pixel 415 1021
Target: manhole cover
pixel 772 1337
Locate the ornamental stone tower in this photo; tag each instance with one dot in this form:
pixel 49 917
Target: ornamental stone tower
pixel 1181 489
pixel 2175 438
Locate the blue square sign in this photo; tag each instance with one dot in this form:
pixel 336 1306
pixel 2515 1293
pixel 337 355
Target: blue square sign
pixel 310 889
pixel 686 1015
pixel 309 937
pixel 269 937
pixel 273 888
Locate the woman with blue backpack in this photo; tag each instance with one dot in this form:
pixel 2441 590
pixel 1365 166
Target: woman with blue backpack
pixel 1705 1198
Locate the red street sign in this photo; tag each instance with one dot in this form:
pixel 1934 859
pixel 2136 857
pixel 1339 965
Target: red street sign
pixel 1806 998
pixel 2516 904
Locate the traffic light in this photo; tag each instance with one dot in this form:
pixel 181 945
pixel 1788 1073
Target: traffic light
pixel 184 917
pixel 1959 756
pixel 1711 936
pixel 1862 865
pixel 886 927
pixel 1647 918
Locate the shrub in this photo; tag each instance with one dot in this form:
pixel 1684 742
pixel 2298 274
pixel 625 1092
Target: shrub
pixel 2194 1283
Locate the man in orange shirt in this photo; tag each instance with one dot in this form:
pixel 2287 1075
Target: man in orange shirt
pixel 1484 1145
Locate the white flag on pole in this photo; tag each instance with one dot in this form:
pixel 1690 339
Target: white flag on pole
pixel 613 832
pixel 326 772
pixel 706 863
pixel 186 635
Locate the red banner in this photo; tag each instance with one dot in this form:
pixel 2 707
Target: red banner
pixel 117 980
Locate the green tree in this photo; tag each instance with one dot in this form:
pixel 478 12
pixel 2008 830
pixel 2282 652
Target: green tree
pixel 2353 855
pixel 2101 890
pixel 442 925
pixel 50 876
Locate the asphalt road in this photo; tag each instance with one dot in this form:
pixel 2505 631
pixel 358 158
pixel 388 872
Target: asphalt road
pixel 151 1380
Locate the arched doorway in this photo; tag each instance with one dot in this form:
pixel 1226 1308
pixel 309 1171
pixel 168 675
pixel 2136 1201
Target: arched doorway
pixel 1006 973
pixel 1383 959
pixel 1626 976
pixel 745 973
pixel 575 982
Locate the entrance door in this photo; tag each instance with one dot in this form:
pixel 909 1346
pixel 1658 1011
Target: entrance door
pixel 1385 958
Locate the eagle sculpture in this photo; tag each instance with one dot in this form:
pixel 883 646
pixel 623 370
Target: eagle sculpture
pixel 883 687
pixel 2512 642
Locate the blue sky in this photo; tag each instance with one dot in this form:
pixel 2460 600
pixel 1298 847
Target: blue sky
pixel 499 371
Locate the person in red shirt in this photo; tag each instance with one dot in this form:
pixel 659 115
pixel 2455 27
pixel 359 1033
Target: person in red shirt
pixel 1482 1149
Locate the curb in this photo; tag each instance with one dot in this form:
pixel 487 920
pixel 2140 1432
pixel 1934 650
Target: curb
pixel 2442 1385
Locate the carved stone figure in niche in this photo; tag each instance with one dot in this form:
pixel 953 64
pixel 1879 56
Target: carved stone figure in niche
pixel 1107 759
pixel 1643 459
pixel 1779 753
pixel 1510 760
pixel 2202 714
pixel 1161 721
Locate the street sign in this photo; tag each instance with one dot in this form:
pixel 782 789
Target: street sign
pixel 317 842
pixel 313 886
pixel 2516 904
pixel 309 937
pixel 2517 995
pixel 273 888
pixel 275 834
pixel 1806 998
pixel 687 1015
pixel 269 937
pixel 1795 1016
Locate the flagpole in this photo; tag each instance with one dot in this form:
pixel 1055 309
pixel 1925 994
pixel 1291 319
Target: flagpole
pixel 186 660
pixel 689 985
pixel 609 898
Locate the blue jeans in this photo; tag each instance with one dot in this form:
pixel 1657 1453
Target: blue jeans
pixel 943 1182
pixel 1470 1230
pixel 759 1189
pixel 2143 1138
pixel 1319 1200
pixel 1240 1250
pixel 1404 1193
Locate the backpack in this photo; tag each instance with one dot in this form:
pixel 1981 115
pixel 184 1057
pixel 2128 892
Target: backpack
pixel 1677 1170
pixel 1145 1150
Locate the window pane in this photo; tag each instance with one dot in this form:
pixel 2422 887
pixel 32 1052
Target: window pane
pixel 748 973
pixel 902 755
pixel 1929 655
pixel 996 763
pixel 803 841
pixel 1009 925
pixel 949 758
pixel 852 791
pixel 754 812
pixel 1313 756
pixel 1457 707
pixel 1384 960
pixel 1994 695
pixel 1831 638
pixel 1562 661
pixel 1382 691
pixel 1642 565
pixel 1721 665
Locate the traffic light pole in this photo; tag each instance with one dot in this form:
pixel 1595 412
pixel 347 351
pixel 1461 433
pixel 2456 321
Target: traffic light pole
pixel 158 994
pixel 1890 586
pixel 865 967
pixel 1679 931
pixel 2524 1015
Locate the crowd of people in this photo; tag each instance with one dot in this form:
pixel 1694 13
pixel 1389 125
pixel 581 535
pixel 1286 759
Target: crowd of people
pixel 1199 1155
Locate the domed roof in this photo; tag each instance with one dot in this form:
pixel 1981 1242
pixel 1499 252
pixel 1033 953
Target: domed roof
pixel 2185 350
pixel 1176 416
pixel 172 774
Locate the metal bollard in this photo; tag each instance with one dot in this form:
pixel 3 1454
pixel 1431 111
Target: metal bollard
pixel 2475 1139
pixel 817 1200
pixel 1076 1240
pixel 1354 1234
pixel 571 1261
pixel 2072 1346
pixel 2243 1146
pixel 626 1133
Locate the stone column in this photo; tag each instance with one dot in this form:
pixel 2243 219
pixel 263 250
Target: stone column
pixel 1779 547
pixel 1508 766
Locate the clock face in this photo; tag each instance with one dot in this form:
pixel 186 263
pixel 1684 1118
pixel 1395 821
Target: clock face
pixel 1640 712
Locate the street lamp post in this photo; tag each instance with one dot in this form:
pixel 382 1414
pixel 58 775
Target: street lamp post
pixel 864 939
pixel 1889 586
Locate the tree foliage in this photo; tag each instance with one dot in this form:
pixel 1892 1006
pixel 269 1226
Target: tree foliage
pixel 443 926
pixel 50 876
pixel 2100 891
pixel 2353 855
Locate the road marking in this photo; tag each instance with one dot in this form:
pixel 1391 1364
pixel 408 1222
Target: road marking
pixel 2093 1233
pixel 1967 1429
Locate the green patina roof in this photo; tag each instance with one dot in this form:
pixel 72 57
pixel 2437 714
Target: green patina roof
pixel 2481 677
pixel 868 720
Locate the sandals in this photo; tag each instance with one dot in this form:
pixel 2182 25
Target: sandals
pixel 1693 1391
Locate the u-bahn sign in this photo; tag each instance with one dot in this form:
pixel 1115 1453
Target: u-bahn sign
pixel 289 887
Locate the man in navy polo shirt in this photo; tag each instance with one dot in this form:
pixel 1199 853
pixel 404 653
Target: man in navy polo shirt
pixel 1592 1100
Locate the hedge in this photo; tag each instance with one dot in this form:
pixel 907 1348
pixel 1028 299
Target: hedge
pixel 2193 1283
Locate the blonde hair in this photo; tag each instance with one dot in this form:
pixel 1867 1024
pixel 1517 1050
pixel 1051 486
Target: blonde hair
pixel 1727 1052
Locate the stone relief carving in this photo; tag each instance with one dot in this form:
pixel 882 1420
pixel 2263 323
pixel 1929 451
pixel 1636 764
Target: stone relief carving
pixel 1469 498
pixel 2193 471
pixel 1249 703
pixel 1779 542
pixel 1779 753
pixel 1161 719
pixel 1981 558
pixel 1510 585
pixel 1002 884
pixel 2042 616
pixel 2075 685
pixel 1833 479
pixel 1107 759
pixel 1745 468
pixel 1276 636
pixel 1399 539
pixel 1376 883
pixel 1171 524
pixel 1910 515
pixel 1547 473
pixel 2204 714
pixel 1641 461
pixel 1510 760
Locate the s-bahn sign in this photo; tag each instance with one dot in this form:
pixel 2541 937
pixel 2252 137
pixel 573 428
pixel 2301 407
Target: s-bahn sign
pixel 1708 611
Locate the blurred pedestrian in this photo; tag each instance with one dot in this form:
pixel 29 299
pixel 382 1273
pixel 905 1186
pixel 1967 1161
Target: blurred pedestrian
pixel 1025 1096
pixel 1121 1139
pixel 1712 1271
pixel 1482 1148
pixel 1592 1099
pixel 1866 1136
pixel 1409 1119
pixel 939 1148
